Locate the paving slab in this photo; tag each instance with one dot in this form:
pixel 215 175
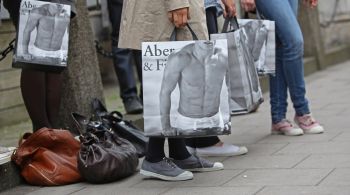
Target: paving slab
pixel 122 191
pixel 305 190
pixel 338 177
pixel 213 190
pixel 324 137
pixel 279 177
pixel 264 149
pixel 325 161
pixel 67 189
pixel 208 179
pixel 264 162
pixel 317 148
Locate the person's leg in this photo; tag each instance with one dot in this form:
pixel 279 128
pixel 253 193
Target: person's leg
pixel 155 149
pixel 33 87
pixel 303 118
pixel 122 60
pixel 177 149
pixel 202 142
pixel 275 10
pixel 290 36
pixel 290 58
pixel 138 64
pixel 211 17
pixel 53 96
pixel 156 165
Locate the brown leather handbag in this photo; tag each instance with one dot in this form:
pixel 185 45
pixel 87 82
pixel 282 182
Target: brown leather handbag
pixel 48 157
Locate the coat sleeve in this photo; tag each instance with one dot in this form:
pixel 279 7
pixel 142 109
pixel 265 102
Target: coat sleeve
pixel 176 4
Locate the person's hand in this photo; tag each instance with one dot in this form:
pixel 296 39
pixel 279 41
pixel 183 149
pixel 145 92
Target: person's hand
pixel 179 17
pixel 311 3
pixel 248 5
pixel 230 8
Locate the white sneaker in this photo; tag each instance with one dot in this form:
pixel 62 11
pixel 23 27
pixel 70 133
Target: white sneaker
pixel 5 154
pixel 224 150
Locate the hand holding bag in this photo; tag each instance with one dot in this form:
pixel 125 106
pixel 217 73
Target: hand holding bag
pixel 103 156
pixel 48 157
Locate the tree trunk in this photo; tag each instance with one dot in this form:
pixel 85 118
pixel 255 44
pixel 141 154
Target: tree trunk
pixel 81 80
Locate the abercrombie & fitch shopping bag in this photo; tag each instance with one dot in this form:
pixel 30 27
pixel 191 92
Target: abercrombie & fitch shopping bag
pixel 42 38
pixel 185 91
pixel 262 44
pixel 246 95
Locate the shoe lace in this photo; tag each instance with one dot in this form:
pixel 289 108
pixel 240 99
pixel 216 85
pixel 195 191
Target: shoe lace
pixel 308 120
pixel 169 162
pixel 287 122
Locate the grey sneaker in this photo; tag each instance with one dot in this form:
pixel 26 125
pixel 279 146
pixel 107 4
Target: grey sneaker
pixel 165 170
pixel 195 163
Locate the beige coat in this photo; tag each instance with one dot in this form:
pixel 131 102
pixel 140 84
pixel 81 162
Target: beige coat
pixel 146 20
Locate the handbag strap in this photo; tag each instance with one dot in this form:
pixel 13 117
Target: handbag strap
pixel 230 23
pixel 173 34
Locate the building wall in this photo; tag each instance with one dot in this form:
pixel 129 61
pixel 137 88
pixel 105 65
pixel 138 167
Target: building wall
pixel 334 19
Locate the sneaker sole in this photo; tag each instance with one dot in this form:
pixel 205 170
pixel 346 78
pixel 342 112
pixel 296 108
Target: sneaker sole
pixel 313 132
pixel 164 177
pixel 205 169
pixel 288 134
pixel 241 152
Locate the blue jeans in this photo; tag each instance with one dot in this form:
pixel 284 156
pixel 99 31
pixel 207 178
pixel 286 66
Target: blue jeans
pixel 289 58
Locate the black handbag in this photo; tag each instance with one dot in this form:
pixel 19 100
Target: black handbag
pixel 103 156
pixel 123 128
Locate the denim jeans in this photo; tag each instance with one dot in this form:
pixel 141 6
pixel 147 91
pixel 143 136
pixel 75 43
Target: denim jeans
pixel 289 58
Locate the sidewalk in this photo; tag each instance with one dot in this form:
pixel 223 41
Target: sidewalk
pixel 281 165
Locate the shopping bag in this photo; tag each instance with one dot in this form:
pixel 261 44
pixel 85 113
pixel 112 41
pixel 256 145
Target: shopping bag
pixel 245 91
pixel 262 44
pixel 185 91
pixel 42 38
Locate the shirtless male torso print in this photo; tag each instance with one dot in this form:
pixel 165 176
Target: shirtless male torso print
pixel 199 70
pixel 51 22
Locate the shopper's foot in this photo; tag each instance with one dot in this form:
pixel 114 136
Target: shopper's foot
pixel 285 127
pixel 133 105
pixel 221 149
pixel 195 163
pixel 164 170
pixel 308 124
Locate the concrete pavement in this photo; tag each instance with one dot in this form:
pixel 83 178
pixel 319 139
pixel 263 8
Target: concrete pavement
pixel 281 165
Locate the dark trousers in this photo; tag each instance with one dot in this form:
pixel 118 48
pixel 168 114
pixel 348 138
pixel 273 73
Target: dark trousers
pixel 123 58
pixel 206 141
pixel 155 149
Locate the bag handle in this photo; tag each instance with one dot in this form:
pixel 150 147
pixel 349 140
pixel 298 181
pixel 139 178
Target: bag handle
pixel 173 34
pixel 230 23
pixel 80 122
